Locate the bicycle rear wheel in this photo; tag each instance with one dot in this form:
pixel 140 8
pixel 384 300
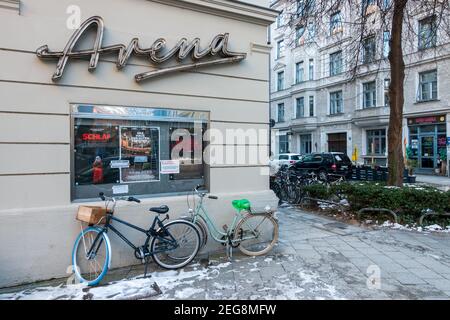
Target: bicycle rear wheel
pixel 91 256
pixel 202 228
pixel 256 234
pixel 177 244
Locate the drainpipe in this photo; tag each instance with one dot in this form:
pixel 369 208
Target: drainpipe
pixel 269 33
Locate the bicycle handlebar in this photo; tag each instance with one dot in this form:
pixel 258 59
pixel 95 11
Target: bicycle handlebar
pixel 133 199
pixel 202 194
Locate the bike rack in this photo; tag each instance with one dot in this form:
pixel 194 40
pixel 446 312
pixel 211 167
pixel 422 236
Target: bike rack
pixel 432 213
pixel 379 210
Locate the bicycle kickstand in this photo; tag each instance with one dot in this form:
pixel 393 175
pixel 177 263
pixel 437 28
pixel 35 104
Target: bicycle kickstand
pixel 229 249
pixel 147 259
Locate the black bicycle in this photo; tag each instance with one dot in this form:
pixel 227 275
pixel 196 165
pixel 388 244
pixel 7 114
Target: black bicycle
pixel 172 245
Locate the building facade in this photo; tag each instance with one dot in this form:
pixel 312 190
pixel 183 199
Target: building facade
pixel 319 106
pixel 92 97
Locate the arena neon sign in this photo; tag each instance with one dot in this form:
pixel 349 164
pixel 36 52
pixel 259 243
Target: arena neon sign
pixel 156 53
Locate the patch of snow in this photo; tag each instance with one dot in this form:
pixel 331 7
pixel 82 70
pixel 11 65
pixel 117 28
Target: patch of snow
pixel 129 289
pixel 434 227
pixel 431 228
pixel 222 286
pixel 187 292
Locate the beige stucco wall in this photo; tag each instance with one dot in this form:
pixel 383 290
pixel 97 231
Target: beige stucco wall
pixel 37 225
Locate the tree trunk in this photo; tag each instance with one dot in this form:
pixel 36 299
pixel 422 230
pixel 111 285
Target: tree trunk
pixel 396 96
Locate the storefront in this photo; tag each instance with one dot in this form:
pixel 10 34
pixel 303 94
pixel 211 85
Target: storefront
pixel 107 105
pixel 427 140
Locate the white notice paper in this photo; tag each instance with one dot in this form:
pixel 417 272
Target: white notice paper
pixel 122 188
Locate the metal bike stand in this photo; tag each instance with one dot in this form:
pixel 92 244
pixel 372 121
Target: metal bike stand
pixel 432 213
pixel 146 267
pixel 229 249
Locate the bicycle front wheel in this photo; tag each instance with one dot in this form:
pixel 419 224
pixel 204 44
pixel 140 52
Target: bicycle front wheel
pixel 176 245
pixel 256 234
pixel 91 256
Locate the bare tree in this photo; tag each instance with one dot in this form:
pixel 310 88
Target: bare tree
pixel 358 25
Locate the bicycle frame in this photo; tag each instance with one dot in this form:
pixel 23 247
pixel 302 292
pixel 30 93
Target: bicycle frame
pixel 219 236
pixel 150 233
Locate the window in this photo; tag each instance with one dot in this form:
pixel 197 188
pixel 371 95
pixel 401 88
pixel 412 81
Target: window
pixel 335 63
pixel 283 144
pixel 299 35
pixel 336 103
pixel 280 81
pixel 369 95
pixel 428 85
pixel 280 49
pixel 367 6
pixel 299 72
pixel 281 112
pixel 300 108
pixel 335 23
pixel 311 106
pixel 386 43
pixel 376 142
pixel 387 83
pixel 427 33
pixel 118 147
pixel 311 69
pixel 387 101
pixel 305 144
pixel 283 156
pixel 305 7
pixel 369 49
pixel 280 20
pixel 386 4
pixel 311 31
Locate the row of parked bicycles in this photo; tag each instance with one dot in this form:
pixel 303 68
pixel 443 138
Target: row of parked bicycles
pixel 289 184
pixel 172 244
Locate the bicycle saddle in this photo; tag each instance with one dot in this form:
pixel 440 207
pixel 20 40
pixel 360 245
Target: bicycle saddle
pixel 242 204
pixel 160 210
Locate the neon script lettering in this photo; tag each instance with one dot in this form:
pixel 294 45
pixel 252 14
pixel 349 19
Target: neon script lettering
pixel 156 54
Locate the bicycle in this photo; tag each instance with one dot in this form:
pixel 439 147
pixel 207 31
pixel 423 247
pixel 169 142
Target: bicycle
pixel 254 233
pixel 173 245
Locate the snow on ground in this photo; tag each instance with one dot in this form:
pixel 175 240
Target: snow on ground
pixel 134 288
pixel 182 284
pixel 131 289
pixel 431 228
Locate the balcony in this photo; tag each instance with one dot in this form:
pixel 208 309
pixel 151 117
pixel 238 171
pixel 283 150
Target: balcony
pixel 371 116
pixel 304 124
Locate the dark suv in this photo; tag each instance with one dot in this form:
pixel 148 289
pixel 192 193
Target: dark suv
pixel 325 163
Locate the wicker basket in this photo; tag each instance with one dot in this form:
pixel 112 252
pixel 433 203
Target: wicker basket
pixel 91 214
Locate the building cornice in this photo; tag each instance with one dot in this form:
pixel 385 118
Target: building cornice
pixel 232 9
pixel 10 5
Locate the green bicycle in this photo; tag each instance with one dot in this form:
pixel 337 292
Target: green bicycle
pixel 254 233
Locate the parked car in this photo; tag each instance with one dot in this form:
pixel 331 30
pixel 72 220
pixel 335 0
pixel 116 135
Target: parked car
pixel 325 163
pixel 283 159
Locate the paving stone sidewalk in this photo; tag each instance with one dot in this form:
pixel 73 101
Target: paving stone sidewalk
pixel 319 258
pixel 316 258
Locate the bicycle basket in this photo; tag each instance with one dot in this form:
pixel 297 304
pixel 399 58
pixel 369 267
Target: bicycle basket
pixel 91 214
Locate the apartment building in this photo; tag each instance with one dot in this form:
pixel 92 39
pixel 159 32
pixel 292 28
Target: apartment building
pixel 330 94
